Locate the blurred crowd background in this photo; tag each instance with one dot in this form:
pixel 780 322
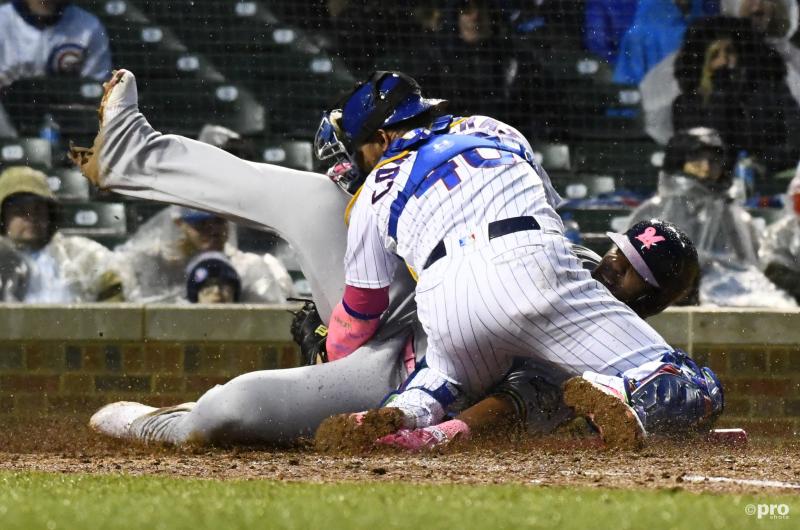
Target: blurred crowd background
pixel 684 109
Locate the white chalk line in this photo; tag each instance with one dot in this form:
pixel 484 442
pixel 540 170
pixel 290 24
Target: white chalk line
pixel 743 481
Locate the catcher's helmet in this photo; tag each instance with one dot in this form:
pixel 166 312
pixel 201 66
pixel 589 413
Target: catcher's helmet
pixel 664 257
pixel 690 143
pixel 385 99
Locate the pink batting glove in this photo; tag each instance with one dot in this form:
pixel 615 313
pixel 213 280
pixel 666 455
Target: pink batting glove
pixel 417 440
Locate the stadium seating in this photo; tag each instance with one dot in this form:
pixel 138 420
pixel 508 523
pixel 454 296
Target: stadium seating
pixel 291 75
pixel 144 47
pixel 137 212
pixel 553 156
pixel 292 154
pixel 635 164
pixel 72 102
pixel 262 69
pixel 183 106
pixel 103 222
pixel 68 184
pixel 571 65
pixel 26 151
pixel 595 222
pixel 605 111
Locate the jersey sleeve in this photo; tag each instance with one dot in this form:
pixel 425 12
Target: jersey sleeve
pixel 367 262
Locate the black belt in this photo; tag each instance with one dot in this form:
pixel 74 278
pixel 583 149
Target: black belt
pixel 496 229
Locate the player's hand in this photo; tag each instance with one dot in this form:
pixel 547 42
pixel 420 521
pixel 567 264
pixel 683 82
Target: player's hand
pixel 414 441
pixel 310 333
pixel 427 438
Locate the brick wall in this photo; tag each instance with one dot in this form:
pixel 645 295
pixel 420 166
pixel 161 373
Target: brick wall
pixel 55 377
pixel 72 360
pixel 762 386
pixel 56 360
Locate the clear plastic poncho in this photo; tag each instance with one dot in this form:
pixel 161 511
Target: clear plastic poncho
pixel 153 265
pixel 14 273
pixel 725 238
pixel 781 244
pixel 69 269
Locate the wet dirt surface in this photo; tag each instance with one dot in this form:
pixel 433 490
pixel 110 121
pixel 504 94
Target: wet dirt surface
pixel 67 446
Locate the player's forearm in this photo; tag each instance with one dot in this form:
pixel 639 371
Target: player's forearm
pixel 494 415
pixel 355 320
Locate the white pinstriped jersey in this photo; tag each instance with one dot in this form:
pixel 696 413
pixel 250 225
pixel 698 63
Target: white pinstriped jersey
pixel 488 300
pixel 459 202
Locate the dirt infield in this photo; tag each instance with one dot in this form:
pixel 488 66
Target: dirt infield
pixel 67 446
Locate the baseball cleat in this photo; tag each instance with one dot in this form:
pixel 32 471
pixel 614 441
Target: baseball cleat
pixel 115 419
pixel 605 407
pixel 119 94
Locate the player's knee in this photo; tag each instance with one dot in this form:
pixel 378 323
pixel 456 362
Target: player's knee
pixel 222 415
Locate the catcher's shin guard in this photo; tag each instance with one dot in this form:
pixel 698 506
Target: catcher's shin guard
pixel 677 398
pixel 671 396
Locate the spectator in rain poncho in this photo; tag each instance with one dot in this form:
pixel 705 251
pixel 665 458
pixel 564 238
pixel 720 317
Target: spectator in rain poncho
pixel 657 31
pixel 780 250
pixel 775 26
pixel 693 193
pixel 154 260
pixel 57 268
pixel 14 273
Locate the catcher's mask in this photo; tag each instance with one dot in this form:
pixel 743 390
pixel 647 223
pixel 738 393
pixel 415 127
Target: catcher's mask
pixel 328 145
pixel 385 99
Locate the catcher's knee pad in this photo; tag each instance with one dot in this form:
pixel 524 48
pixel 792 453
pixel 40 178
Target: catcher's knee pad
pixel 678 397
